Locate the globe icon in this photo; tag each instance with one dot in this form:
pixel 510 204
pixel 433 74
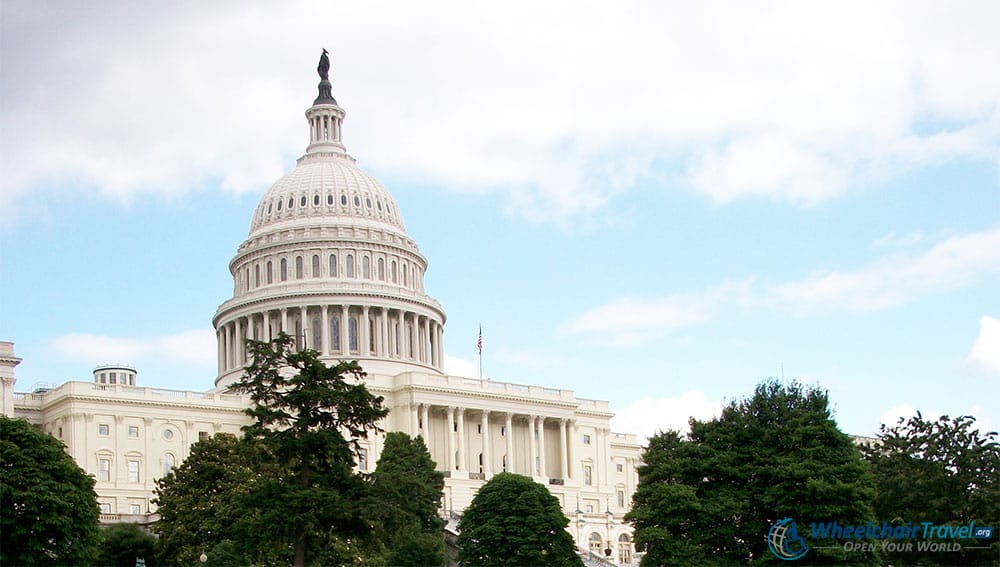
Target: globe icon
pixel 784 541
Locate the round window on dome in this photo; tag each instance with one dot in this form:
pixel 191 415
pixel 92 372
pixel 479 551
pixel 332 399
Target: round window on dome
pixel 343 200
pixel 357 201
pixel 368 202
pixel 315 200
pixel 291 202
pixel 329 199
pixel 302 201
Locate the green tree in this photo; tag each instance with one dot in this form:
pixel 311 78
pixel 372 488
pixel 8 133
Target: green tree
pixel 515 521
pixel 712 497
pixel 310 417
pixel 122 544
pixel 406 493
pixel 48 508
pixel 943 471
pixel 211 498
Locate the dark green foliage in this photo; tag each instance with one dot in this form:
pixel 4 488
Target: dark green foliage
pixel 712 498
pixel 48 508
pixel 406 492
pixel 210 498
pixel 286 493
pixel 942 471
pixel 121 544
pixel 515 521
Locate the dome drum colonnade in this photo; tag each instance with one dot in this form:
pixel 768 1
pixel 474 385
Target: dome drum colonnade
pixel 328 261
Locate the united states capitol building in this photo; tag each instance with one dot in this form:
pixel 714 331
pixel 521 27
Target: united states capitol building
pixel 328 260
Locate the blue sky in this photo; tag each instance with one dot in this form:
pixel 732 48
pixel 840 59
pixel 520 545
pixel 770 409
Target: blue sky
pixel 658 204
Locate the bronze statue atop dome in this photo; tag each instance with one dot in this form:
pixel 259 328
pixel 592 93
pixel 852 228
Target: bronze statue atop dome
pixel 324 66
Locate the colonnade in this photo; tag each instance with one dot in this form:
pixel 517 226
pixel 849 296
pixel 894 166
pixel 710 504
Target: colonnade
pixel 456 447
pixel 337 330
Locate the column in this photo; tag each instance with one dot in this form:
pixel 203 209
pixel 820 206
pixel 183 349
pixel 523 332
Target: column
pixel 303 319
pixel 414 425
pixel 543 469
pixel 400 351
pixel 450 455
pixel 426 341
pixel 572 439
pixel 267 326
pixel 440 343
pixel 533 454
pixel 486 442
pixel 461 438
pixel 229 346
pixel 384 331
pixel 563 450
pixel 284 320
pixel 219 351
pixel 414 337
pixel 425 419
pixel 344 331
pixel 324 324
pixel 365 332
pixel 510 442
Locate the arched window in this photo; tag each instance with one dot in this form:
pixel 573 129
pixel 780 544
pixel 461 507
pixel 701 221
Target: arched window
pixel 371 334
pixel 317 329
pixel 333 265
pixel 256 275
pixel 381 269
pixel 352 334
pixel 269 272
pixel 350 266
pixel 366 267
pixel 335 333
pixel 595 543
pixel 404 274
pixel 298 267
pixel 284 269
pixel 168 463
pixel 315 265
pixel 503 462
pixel 392 269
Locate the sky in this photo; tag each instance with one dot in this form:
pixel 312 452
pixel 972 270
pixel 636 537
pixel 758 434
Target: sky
pixel 658 204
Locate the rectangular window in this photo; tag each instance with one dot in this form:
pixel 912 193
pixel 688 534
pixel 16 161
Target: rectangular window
pixel 105 508
pixel 104 470
pixel 202 436
pixel 134 509
pixel 590 508
pixel 588 475
pixel 479 428
pixel 621 498
pixel 619 467
pixel 503 431
pixel 586 439
pixel 363 459
pixel 133 471
pixel 114 377
pixel 133 431
pixel 103 429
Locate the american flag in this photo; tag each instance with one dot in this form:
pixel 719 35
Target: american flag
pixel 479 343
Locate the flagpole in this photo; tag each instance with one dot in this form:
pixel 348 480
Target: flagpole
pixel 479 345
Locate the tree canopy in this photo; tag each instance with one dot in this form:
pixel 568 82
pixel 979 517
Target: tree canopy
pixel 48 508
pixel 122 544
pixel 515 521
pixel 406 492
pixel 713 496
pixel 943 471
pixel 286 492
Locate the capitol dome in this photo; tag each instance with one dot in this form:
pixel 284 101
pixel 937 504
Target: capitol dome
pixel 328 261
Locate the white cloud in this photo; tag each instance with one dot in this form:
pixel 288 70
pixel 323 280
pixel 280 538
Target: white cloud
pixel 888 282
pixel 197 348
pixel 890 417
pixel 647 416
pixel 986 351
pixel 561 107
pixel 457 366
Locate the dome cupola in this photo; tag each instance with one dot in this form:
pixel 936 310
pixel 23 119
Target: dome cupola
pixel 328 260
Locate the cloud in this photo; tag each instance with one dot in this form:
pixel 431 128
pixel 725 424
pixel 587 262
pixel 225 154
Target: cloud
pixel 887 282
pixel 891 416
pixel 985 352
pixel 457 366
pixel 196 348
pixel 647 416
pixel 559 111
